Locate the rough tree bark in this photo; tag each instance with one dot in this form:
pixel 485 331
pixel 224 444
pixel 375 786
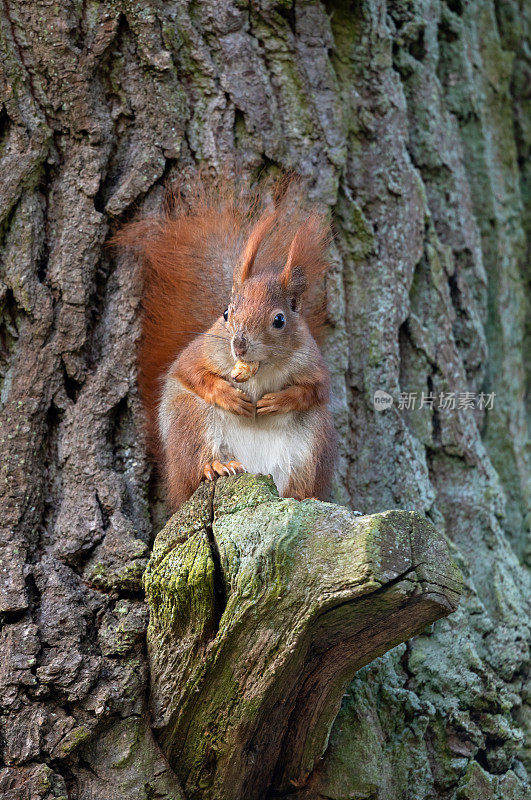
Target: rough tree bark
pixel 411 121
pixel 261 610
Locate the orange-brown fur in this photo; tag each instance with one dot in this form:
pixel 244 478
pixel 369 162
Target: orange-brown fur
pixel 208 251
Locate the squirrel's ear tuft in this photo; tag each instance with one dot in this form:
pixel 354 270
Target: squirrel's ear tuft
pixel 293 280
pixel 305 263
pixel 293 277
pixel 258 232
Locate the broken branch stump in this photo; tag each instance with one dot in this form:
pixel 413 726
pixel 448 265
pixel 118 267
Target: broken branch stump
pixel 262 609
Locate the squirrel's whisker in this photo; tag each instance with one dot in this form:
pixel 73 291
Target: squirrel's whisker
pixel 205 333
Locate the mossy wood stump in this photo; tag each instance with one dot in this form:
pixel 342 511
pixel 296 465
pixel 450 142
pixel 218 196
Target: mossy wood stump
pixel 262 609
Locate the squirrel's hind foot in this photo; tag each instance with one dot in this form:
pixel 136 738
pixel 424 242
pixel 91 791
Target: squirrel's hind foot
pixel 216 469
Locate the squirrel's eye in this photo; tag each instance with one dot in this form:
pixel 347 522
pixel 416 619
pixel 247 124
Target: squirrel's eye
pixel 279 321
pixel 226 315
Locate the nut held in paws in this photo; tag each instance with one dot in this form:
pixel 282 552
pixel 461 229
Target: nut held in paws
pixel 242 371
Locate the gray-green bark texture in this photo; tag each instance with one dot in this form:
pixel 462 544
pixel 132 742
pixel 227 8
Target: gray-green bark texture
pixel 261 610
pixel 411 122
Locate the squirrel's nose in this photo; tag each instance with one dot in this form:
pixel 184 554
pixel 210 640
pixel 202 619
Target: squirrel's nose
pixel 240 344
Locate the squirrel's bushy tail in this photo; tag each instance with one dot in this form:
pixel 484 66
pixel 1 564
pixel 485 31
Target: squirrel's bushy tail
pixel 190 251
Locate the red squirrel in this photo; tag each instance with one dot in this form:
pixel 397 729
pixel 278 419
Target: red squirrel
pixel 230 280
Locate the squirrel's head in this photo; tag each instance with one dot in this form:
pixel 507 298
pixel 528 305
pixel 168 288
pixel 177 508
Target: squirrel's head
pixel 264 318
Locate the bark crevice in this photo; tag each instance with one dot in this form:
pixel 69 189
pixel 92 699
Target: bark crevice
pixel 220 587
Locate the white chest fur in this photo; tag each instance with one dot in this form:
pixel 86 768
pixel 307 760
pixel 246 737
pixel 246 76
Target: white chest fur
pixel 276 445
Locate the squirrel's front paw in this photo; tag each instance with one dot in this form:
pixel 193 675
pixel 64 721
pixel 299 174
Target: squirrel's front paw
pixel 274 403
pixel 236 401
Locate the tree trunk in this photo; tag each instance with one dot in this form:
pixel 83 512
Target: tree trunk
pixel 410 120
pixel 261 609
